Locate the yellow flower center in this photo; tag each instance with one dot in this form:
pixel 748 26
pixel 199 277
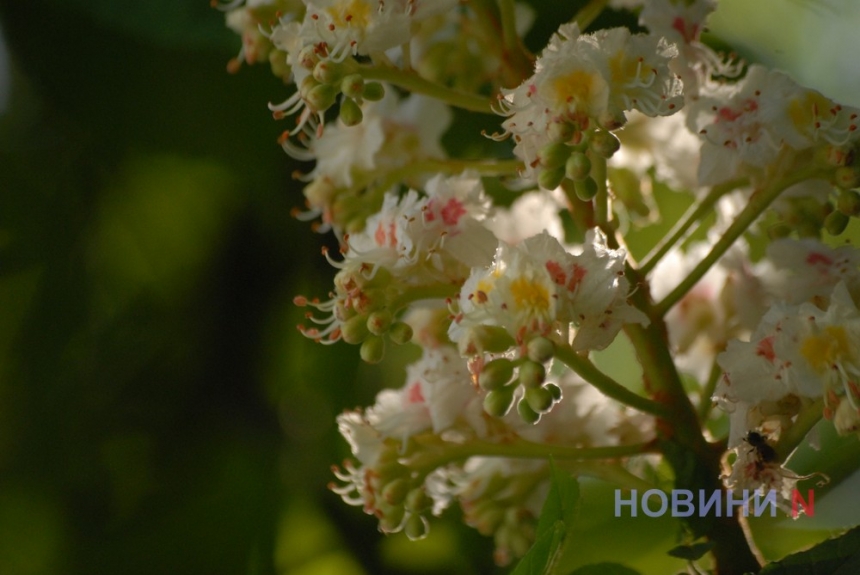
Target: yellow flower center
pixel 530 294
pixel 354 13
pixel 806 113
pixel 577 88
pixel 826 348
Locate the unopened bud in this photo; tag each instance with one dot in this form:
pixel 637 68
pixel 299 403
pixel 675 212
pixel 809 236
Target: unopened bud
pixel 554 155
pixel 779 231
pixel 539 399
pixel 308 58
pixel 307 84
pixel 585 189
pixel 328 72
pixel 352 86
pixel 605 144
pixel 540 349
pixel 532 374
pixel 560 131
pixel 392 518
pixel 395 492
pixel 278 63
pixel 498 402
pixel 834 156
pixel 550 179
pixel 527 414
pixel 417 501
pixel 578 166
pixel 554 390
pixel 354 330
pixel 847 177
pixel 321 98
pixel 836 222
pixel 496 373
pixel 373 349
pixel 484 338
pixel 373 91
pixel 400 333
pixel 416 527
pixel 848 202
pixel 379 321
pixel 350 112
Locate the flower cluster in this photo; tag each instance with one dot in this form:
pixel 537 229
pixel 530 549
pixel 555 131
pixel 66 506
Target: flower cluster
pixel 518 264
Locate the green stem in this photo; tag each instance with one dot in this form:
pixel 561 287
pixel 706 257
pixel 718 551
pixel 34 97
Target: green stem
pixel 758 202
pixel 413 294
pixel 411 81
pixel 791 437
pixel 608 386
pixel 705 403
pixel 589 13
pixel 509 25
pixel 696 212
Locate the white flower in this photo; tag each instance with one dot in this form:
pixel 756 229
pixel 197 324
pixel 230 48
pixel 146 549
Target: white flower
pixel 808 270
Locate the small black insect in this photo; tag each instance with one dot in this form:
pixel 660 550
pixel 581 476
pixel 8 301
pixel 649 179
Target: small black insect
pixel 759 444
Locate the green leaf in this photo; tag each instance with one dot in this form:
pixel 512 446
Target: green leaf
pixel 839 556
pixel 557 515
pixel 691 552
pixel 605 569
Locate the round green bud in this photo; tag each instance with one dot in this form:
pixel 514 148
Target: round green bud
pixel 400 333
pixel 328 72
pixel 527 414
pixel 484 338
pixel 539 399
pixel 848 202
pixel 278 63
pixel 417 501
pixel 554 155
pixel 847 177
pixel 550 179
pixel 540 349
pixel 379 321
pixel 577 167
pixel 373 349
pixel 307 84
pixel 498 402
pixel 834 156
pixel 308 58
pixel 585 189
pixel 778 231
pixel 416 527
pixel 496 374
pixel 350 112
pixel 321 98
pixel 836 222
pixel 354 330
pixel 373 91
pixel 352 86
pixel 394 493
pixel 532 374
pixel 604 144
pixel 554 390
pixel 560 131
pixel 391 519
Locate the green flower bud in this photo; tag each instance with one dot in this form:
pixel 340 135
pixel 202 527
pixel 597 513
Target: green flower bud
pixel 278 63
pixel 308 58
pixel 308 84
pixel 400 333
pixel 540 349
pixel 848 202
pixel 585 189
pixel 350 112
pixel 561 131
pixel 778 231
pixel 352 86
pixel 328 72
pixel 532 374
pixel 395 492
pixel 577 167
pixel 373 349
pixel 321 98
pixel 498 402
pixel 417 501
pixel 391 519
pixel 373 91
pixel 379 321
pixel 834 156
pixel 527 414
pixel 604 144
pixel 550 179
pixel 354 330
pixel 554 390
pixel 484 338
pixel 554 155
pixel 496 373
pixel 847 177
pixel 836 222
pixel 416 527
pixel 539 399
